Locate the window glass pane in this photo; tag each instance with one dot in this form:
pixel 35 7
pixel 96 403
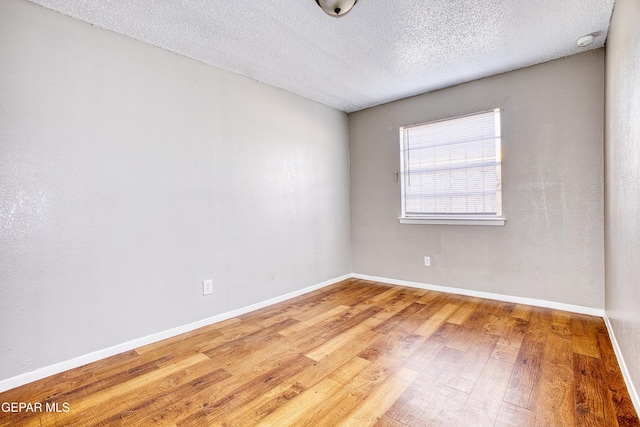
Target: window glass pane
pixel 452 166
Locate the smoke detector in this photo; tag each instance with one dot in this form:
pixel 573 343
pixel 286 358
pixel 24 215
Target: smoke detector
pixel 585 41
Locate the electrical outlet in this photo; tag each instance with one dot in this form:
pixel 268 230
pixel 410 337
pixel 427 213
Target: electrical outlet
pixel 207 287
pixel 427 261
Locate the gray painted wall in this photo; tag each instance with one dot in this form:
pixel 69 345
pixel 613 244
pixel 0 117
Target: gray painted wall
pixel 622 206
pixel 551 247
pixel 129 174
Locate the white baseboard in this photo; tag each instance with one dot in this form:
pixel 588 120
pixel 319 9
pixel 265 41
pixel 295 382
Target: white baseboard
pixel 488 295
pixel 57 368
pixel 635 398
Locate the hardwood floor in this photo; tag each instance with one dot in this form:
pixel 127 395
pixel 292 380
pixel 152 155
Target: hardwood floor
pixel 355 353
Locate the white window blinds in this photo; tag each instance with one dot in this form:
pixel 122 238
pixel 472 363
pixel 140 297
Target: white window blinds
pixel 452 167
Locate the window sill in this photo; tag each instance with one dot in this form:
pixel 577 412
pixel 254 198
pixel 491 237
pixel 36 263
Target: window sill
pixel 454 220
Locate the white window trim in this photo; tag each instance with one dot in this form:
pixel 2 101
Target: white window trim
pixel 454 220
pixel 465 219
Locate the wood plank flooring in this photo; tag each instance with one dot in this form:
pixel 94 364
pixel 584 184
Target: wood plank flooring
pixel 356 353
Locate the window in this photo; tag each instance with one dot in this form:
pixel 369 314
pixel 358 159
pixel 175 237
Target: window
pixel 451 171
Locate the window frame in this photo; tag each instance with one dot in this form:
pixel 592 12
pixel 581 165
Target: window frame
pixel 453 219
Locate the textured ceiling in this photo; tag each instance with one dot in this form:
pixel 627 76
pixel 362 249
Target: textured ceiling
pixel 379 52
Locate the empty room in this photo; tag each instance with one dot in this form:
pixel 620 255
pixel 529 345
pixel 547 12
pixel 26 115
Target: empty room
pixel 319 213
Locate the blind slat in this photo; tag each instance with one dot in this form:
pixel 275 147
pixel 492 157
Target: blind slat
pixel 455 166
pixel 452 193
pixel 418 146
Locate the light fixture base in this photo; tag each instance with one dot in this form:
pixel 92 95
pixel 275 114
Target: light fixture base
pixel 336 8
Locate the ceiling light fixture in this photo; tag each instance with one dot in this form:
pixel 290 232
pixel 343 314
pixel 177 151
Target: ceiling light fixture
pixel 336 8
pixel 585 41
